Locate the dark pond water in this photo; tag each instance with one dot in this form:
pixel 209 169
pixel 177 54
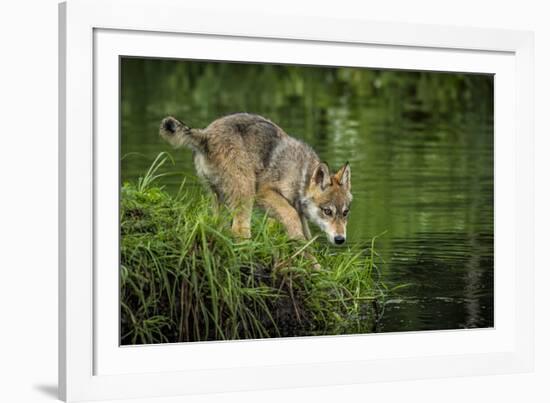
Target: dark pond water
pixel 420 146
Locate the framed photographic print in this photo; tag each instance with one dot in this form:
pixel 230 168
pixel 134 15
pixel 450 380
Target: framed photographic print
pixel 243 208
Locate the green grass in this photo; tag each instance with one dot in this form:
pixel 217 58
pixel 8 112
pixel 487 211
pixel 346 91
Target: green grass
pixel 184 278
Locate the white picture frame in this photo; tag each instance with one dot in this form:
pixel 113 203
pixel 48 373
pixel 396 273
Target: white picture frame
pixel 93 34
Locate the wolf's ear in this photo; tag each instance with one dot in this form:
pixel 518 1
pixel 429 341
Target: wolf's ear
pixel 343 176
pixel 321 176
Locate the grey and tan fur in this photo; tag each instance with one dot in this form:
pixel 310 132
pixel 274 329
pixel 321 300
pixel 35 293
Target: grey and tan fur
pixel 247 159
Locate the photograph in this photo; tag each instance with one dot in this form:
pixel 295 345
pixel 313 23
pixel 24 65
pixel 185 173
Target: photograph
pixel 274 202
pixel 263 200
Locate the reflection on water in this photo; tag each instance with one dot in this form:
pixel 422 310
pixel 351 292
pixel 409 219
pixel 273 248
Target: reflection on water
pixel 421 152
pixel 451 282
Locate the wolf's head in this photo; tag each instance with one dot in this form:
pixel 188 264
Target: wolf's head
pixel 327 200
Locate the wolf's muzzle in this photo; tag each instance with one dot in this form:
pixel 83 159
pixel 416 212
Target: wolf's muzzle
pixel 339 239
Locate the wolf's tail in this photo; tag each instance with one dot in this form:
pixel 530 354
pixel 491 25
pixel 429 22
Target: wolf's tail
pixel 178 134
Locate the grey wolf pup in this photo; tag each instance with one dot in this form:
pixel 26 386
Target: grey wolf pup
pixel 246 159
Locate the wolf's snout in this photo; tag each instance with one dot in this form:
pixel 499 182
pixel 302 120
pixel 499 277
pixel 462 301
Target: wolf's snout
pixel 339 239
pixel 169 125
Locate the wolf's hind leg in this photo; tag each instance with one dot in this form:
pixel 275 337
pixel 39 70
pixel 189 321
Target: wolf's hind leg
pixel 276 205
pixel 237 193
pixel 241 219
pixel 216 200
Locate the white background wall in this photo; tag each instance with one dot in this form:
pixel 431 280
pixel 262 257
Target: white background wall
pixel 28 199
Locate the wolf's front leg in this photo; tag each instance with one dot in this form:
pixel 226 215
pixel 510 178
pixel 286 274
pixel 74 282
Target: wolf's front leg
pixel 305 227
pixel 277 206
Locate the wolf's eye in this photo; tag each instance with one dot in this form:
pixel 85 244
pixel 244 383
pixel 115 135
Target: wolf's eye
pixel 327 211
pixel 345 212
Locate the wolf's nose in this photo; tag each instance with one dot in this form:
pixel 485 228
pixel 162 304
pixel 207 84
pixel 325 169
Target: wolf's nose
pixel 339 239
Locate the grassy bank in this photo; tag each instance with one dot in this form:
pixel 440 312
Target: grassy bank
pixel 184 278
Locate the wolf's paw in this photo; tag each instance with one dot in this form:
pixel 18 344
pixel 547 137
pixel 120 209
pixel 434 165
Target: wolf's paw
pixel 240 232
pixel 314 263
